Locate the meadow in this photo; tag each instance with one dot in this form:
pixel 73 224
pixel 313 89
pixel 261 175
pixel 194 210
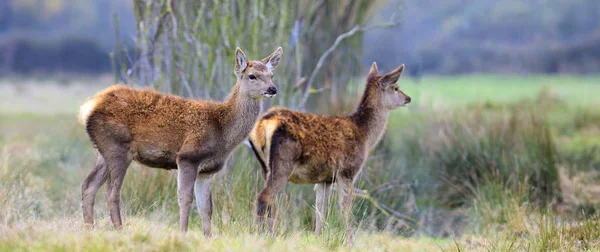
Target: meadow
pixel 474 163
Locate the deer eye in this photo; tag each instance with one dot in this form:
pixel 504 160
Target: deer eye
pixel 252 77
pixel 396 89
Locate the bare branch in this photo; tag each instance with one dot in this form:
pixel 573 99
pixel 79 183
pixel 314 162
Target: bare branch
pixel 389 24
pixel 320 63
pixel 300 82
pixel 335 44
pixel 381 207
pixel 184 81
pixel 384 209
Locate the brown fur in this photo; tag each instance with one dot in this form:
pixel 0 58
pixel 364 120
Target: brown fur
pixel 325 142
pixel 305 148
pixel 157 126
pixel 170 132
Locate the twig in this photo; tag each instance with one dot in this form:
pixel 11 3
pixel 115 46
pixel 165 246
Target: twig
pixel 389 24
pixel 184 81
pixel 320 63
pixel 386 210
pixel 300 82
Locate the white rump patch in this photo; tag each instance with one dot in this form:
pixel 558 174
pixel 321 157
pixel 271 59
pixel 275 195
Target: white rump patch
pixel 86 110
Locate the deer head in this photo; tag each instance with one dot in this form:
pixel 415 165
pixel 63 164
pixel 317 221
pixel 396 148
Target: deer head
pixel 389 94
pixel 255 77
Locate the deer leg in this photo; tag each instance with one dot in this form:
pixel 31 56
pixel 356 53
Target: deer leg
pixel 108 188
pixel 345 190
pixel 117 162
pixel 276 178
pixel 321 205
pixel 202 190
pixel 90 186
pixel 187 171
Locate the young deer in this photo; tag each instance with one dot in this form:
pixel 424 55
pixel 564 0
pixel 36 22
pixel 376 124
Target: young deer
pixel 169 132
pixel 317 149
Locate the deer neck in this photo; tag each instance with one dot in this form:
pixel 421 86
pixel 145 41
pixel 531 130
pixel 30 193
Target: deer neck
pixel 370 117
pixel 241 113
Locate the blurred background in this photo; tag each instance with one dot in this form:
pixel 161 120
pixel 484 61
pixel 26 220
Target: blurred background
pixel 503 134
pixel 433 37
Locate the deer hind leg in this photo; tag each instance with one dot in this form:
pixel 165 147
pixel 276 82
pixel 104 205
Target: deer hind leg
pixel 117 160
pixel 90 186
pixel 108 189
pixel 265 205
pixel 281 164
pixel 345 190
pixel 282 154
pixel 321 205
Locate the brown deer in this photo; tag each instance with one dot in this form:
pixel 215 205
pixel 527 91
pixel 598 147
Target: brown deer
pixel 169 132
pixel 306 148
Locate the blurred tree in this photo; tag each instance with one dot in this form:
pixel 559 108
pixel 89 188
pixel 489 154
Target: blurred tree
pixel 187 47
pixel 459 36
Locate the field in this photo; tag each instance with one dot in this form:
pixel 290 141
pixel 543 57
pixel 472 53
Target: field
pixel 492 163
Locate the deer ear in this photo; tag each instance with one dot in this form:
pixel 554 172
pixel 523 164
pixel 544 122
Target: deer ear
pixel 272 60
pixel 372 72
pixel 241 62
pixel 393 76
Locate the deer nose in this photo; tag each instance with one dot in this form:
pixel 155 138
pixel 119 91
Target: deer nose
pixel 272 90
pixel 407 100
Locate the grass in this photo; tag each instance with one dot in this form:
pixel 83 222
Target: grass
pixel 45 154
pixel 68 235
pixel 442 92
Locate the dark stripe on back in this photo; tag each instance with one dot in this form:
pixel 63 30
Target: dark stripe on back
pixel 263 166
pixel 269 115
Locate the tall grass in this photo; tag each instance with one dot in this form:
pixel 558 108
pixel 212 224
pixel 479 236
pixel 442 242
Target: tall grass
pixel 463 152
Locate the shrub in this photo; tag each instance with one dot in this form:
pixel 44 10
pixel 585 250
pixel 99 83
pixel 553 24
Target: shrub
pixel 463 153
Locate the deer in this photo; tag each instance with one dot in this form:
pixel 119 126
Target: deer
pixel 304 148
pixel 165 131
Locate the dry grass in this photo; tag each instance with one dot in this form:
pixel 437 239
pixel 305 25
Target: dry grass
pixel 140 233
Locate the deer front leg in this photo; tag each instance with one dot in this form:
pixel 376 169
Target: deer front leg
pixel 117 160
pixel 187 171
pixel 321 205
pixel 345 190
pixel 202 189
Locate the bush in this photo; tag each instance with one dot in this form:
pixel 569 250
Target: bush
pixel 463 153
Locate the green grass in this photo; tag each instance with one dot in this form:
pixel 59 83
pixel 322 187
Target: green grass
pixel 443 92
pixel 45 154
